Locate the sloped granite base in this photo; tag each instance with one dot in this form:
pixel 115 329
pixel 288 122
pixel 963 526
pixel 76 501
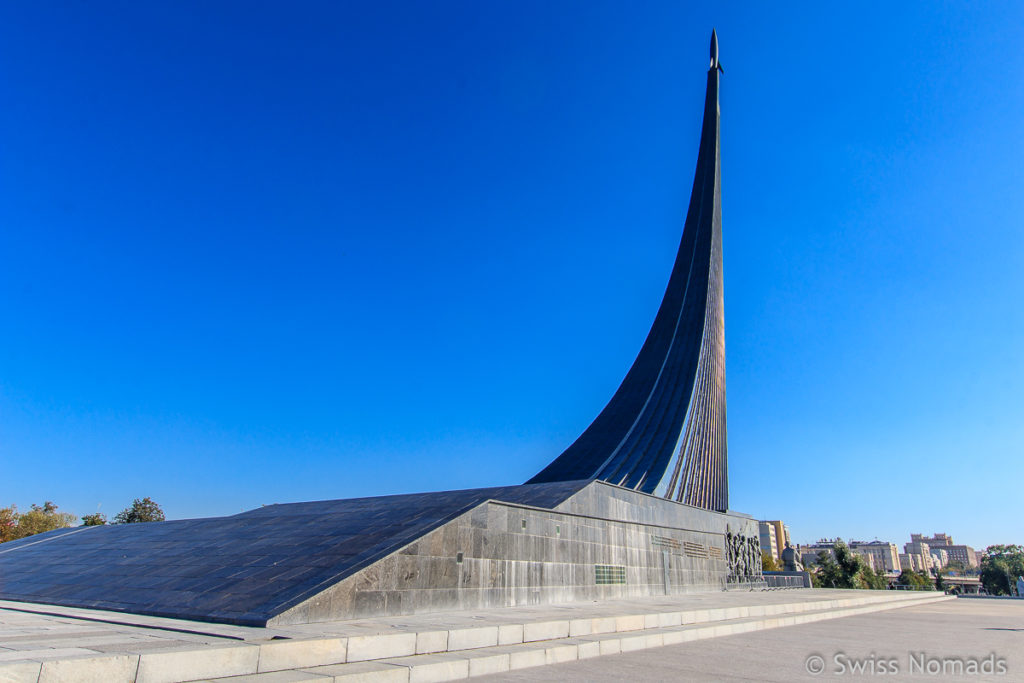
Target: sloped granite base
pixel 506 554
pixel 391 555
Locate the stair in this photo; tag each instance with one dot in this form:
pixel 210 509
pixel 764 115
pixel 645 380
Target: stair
pixel 506 647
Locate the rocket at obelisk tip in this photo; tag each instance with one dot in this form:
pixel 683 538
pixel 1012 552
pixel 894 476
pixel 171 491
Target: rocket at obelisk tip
pixel 714 51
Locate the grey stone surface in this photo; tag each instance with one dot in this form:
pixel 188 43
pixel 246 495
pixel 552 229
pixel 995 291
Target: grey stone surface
pixel 280 655
pixel 638 623
pixel 19 671
pixel 515 554
pixel 117 669
pixel 422 553
pixel 952 629
pixel 361 648
pixel 279 677
pixel 244 568
pixel 195 664
pixel 363 672
pixel 468 638
pixel 428 642
pixel 432 668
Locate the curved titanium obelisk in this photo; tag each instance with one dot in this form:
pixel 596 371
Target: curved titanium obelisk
pixel 664 431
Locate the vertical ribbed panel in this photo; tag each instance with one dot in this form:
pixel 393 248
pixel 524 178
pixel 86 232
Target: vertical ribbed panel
pixel 664 430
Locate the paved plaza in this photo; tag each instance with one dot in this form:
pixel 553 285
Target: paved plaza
pixel 955 630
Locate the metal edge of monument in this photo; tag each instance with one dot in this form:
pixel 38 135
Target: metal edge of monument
pixel 664 430
pixel 636 506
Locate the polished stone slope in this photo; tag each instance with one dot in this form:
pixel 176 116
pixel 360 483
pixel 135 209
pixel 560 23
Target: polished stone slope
pixel 601 543
pixel 241 569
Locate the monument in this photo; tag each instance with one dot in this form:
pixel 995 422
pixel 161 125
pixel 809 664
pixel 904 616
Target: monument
pixel 663 431
pixel 637 505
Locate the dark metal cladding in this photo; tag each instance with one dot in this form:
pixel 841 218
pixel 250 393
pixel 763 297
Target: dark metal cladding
pixel 664 430
pixel 243 569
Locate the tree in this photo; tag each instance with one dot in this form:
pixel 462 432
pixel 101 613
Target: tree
pixel 1000 567
pixel 43 518
pixel 843 568
pixel 918 581
pixel 873 580
pixel 768 562
pixel 95 519
pixel 828 574
pixel 956 567
pixel 849 564
pixel 38 519
pixel 145 510
pixel 8 523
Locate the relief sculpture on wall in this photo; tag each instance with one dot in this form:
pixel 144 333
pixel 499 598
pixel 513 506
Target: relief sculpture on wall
pixel 743 554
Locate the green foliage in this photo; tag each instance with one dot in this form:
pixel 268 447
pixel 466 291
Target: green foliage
pixel 850 564
pixel 768 562
pixel 919 581
pixel 95 519
pixel 873 580
pixel 846 569
pixel 940 584
pixel 956 567
pixel 145 510
pixel 8 523
pixel 38 519
pixel 1000 567
pixel 828 573
pixel 45 517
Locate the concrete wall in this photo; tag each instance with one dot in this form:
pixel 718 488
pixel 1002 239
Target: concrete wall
pixel 517 555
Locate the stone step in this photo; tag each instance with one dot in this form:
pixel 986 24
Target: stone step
pixel 607 636
pixel 434 643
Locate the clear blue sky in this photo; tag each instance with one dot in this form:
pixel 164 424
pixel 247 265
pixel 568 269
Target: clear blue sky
pixel 264 252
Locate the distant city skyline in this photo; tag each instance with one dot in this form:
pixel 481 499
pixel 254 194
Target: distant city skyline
pixel 268 254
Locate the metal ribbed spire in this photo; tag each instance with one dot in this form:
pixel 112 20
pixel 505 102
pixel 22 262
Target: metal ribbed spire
pixel 664 430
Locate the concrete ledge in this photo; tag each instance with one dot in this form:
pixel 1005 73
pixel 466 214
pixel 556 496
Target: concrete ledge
pixel 19 672
pixel 580 627
pixel 197 663
pixel 545 630
pixel 603 625
pixel 633 622
pixel 510 634
pixel 586 650
pixel 433 668
pixel 276 677
pixel 361 672
pixel 489 660
pixel 363 648
pixel 489 664
pixel 470 638
pixel 282 655
pixel 427 653
pixel 526 658
pixel 561 653
pixel 428 642
pixel 116 669
pixel 632 643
